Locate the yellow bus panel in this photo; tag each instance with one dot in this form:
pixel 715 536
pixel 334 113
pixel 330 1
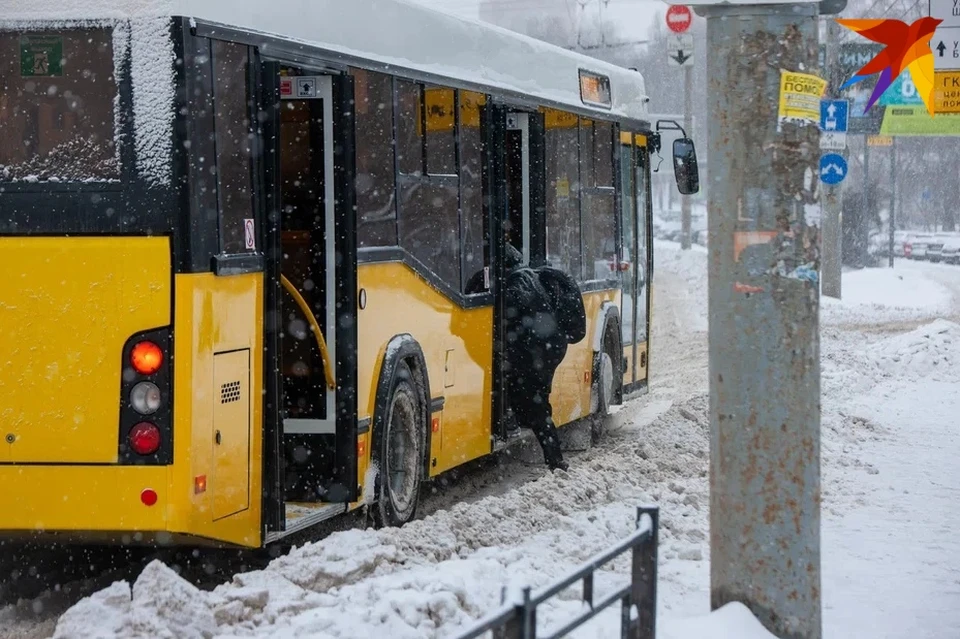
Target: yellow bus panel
pixel 67 307
pixel 572 382
pixel 456 344
pixel 84 498
pixel 218 349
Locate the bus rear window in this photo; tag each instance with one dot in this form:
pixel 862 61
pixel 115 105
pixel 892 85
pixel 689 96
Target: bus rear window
pixel 57 93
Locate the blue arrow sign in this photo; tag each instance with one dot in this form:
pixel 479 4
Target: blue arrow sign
pixel 833 169
pixel 833 115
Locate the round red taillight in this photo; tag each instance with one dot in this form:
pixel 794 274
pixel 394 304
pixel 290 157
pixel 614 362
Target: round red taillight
pixel 146 358
pixel 148 496
pixel 144 438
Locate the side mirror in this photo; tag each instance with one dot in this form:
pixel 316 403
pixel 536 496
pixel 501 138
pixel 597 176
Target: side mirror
pixel 685 167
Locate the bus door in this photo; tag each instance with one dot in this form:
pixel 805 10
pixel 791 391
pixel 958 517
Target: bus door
pixel 519 220
pixel 635 221
pixel 312 289
pixel 517 179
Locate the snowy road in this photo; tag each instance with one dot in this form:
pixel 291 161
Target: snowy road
pixel 890 507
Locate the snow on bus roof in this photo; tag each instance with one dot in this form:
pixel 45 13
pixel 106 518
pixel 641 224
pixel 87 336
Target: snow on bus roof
pixel 390 32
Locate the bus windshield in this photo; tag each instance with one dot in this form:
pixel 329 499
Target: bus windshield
pixel 57 102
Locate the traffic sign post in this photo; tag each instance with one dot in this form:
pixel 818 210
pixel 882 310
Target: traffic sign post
pixel 679 18
pixel 833 169
pixel 833 124
pixel 680 50
pixel 680 54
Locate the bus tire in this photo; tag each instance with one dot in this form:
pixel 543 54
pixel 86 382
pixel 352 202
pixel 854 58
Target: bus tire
pixel 608 379
pixel 399 451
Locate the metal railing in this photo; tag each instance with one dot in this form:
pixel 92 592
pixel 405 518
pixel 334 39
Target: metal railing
pixel 638 598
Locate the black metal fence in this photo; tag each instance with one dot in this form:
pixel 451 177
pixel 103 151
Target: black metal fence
pixel 638 599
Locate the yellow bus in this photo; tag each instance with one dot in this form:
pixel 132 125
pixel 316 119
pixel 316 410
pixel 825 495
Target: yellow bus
pixel 251 257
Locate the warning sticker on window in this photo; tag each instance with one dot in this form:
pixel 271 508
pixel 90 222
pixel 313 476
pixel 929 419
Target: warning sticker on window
pixel 249 235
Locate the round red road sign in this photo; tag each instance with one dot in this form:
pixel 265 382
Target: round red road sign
pixel 679 18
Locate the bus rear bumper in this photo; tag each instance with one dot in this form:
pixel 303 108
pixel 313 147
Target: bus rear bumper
pixel 37 499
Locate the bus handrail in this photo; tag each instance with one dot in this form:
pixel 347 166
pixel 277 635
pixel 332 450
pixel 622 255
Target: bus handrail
pixel 315 327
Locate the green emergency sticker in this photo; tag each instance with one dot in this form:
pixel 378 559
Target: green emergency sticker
pixel 41 55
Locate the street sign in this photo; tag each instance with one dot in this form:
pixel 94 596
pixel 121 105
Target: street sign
pixel 680 50
pixel 946 10
pixel 833 115
pixel 879 140
pixel 833 169
pixel 916 121
pixel 833 141
pixel 852 56
pixel 901 92
pixel 945 43
pixel 679 18
pixel 945 46
pixel 946 92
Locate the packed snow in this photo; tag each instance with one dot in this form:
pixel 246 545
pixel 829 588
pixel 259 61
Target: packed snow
pixel 890 555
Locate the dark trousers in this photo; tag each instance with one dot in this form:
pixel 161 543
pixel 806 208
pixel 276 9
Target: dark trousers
pixel 529 400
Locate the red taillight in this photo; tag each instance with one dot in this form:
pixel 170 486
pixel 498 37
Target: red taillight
pixel 144 438
pixel 146 358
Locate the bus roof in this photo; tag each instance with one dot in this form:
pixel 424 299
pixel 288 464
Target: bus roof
pixel 397 33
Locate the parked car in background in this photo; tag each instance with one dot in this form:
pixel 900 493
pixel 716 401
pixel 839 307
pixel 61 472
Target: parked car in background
pixel 950 252
pixel 915 247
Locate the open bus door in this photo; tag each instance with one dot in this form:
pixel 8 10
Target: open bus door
pixel 518 213
pixel 310 425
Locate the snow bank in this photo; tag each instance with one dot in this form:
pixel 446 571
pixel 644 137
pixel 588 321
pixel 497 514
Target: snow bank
pixel 874 295
pixel 930 350
pixel 691 267
pixel 732 621
pixel 438 574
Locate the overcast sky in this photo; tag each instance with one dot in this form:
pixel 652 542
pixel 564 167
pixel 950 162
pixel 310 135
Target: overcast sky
pixel 634 17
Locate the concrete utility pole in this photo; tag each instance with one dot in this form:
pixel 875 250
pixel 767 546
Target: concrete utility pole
pixel 685 221
pixel 764 219
pixel 832 194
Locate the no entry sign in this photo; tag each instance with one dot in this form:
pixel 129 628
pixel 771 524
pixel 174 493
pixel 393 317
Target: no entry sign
pixel 679 18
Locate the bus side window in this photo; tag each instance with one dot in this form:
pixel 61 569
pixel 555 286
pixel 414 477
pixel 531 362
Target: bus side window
pixel 563 191
pixel 428 218
pixel 233 140
pixel 376 173
pixel 473 219
pixel 598 209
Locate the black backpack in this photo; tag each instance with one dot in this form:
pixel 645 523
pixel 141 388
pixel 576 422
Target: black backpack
pixel 567 302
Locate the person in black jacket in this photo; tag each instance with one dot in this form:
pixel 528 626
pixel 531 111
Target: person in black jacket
pixel 543 314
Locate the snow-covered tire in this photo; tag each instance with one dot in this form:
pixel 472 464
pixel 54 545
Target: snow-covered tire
pixel 607 383
pixel 399 451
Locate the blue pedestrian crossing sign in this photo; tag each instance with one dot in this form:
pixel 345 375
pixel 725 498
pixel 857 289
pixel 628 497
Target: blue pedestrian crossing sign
pixel 833 115
pixel 833 169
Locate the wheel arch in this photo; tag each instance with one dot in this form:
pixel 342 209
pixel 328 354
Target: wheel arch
pixel 401 348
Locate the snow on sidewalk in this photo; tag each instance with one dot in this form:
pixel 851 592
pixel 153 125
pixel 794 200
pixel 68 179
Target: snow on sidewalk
pixel 891 562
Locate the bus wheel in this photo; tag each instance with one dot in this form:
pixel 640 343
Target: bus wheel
pixel 400 452
pixel 606 384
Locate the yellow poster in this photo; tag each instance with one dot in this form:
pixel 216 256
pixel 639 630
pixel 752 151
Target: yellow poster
pixel 800 95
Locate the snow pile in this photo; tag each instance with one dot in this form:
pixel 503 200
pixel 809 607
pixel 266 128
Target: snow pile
pixel 691 267
pixel 732 621
pixel 438 574
pixel 874 295
pixel 932 350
